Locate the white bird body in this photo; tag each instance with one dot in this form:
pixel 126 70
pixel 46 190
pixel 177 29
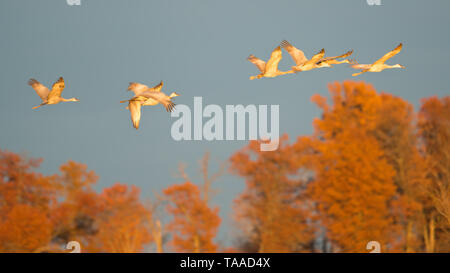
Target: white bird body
pixel 269 69
pixel 47 96
pixel 379 65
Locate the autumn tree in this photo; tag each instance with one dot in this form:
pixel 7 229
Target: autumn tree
pixel 42 213
pixel 75 214
pixel 122 224
pixel 24 229
pixel 194 224
pixel 206 189
pixel 21 184
pixel 112 221
pixel 353 187
pixel 391 122
pixel 156 227
pixel 271 212
pixel 396 132
pixel 434 126
pixel 26 198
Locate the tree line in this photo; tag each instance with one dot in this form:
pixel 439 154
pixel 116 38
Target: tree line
pixel 373 170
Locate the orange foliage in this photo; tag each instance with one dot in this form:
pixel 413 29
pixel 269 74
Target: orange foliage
pixel 194 224
pixel 24 229
pixel 365 177
pixel 373 170
pixel 19 184
pixel 123 222
pixel 74 217
pixel 434 128
pixel 353 186
pixel 271 211
pixel 38 212
pixel 25 201
pixel 75 178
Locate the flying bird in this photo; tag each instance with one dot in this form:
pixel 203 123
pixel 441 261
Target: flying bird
pixel 47 96
pixel 269 69
pixel 329 61
pixel 302 63
pixel 143 95
pixel 379 65
pixel 138 89
pixel 152 96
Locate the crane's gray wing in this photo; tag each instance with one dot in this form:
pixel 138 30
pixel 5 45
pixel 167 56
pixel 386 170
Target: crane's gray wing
pixel 40 89
pixel 137 88
pixel 297 55
pixel 135 111
pixel 260 64
pixel 346 54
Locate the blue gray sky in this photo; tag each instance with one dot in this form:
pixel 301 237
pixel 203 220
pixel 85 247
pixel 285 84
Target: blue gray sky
pixel 199 48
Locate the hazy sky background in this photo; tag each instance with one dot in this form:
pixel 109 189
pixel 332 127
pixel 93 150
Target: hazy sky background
pixel 199 48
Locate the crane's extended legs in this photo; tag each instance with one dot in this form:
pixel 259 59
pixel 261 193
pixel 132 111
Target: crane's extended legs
pixel 356 74
pixel 42 104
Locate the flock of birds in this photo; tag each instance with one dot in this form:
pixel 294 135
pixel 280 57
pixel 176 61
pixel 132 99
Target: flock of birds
pixel 146 96
pixel 143 96
pixel 270 69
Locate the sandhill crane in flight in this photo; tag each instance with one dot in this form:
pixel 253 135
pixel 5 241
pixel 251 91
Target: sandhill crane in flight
pixel 302 63
pixel 47 96
pixel 147 96
pixel 329 61
pixel 138 89
pixel 379 65
pixel 269 69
